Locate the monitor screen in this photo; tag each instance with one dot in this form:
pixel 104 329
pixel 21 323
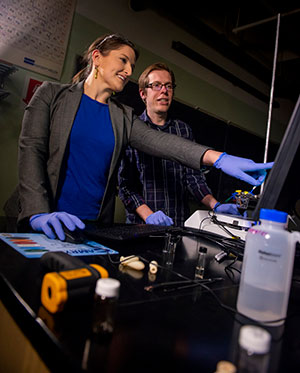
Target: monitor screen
pixel 282 187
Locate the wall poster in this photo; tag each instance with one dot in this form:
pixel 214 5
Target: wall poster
pixel 34 34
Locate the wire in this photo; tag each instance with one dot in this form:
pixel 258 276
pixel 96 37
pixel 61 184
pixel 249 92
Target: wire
pixel 192 283
pixel 186 284
pixel 230 245
pixel 230 269
pixel 222 226
pixel 218 300
pixel 229 198
pixel 233 310
pixel 202 221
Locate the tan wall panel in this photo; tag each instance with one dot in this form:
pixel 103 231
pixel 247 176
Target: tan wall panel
pixel 16 352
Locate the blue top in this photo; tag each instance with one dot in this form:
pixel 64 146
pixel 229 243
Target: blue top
pixel 161 184
pixel 273 215
pixel 87 160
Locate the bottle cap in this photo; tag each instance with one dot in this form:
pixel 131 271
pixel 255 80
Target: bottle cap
pixel 108 287
pixel 255 339
pixel 203 249
pixel 273 215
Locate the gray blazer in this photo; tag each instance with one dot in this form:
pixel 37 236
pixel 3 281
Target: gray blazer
pixel 46 127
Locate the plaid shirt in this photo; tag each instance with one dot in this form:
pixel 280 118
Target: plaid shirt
pixel 159 183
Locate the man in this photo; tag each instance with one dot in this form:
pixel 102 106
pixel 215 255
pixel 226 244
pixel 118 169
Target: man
pixel 155 190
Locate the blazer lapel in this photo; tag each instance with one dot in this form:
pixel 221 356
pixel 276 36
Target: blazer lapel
pixel 66 118
pixel 71 103
pixel 117 119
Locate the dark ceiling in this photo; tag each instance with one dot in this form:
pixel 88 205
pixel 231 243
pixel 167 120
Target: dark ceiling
pixel 220 25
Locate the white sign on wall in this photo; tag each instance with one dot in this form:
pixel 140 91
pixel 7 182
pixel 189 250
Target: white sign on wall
pixel 34 34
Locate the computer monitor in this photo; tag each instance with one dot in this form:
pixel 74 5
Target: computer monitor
pixel 282 187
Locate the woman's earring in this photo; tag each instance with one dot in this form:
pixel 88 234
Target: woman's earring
pixel 96 72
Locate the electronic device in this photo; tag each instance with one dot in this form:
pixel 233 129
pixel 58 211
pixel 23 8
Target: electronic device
pixel 124 232
pixel 71 282
pixel 60 261
pixel 226 225
pixel 76 236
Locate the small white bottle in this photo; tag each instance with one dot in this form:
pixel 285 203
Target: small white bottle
pixel 254 347
pixel 105 304
pixel 103 320
pixel 267 269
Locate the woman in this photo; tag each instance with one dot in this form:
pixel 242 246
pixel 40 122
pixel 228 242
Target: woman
pixel 72 140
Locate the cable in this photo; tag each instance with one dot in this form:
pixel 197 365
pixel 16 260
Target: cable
pixel 228 308
pixel 193 283
pixel 222 226
pixel 186 284
pixel 202 221
pixel 229 268
pixel 230 245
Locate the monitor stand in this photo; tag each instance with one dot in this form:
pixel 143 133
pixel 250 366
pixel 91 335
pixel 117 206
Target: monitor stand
pixel 226 225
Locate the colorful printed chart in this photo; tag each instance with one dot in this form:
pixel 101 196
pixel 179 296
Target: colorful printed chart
pixel 34 245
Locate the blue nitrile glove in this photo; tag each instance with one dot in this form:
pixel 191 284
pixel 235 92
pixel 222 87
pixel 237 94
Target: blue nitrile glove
pixel 228 208
pixel 243 168
pixel 159 218
pixel 51 224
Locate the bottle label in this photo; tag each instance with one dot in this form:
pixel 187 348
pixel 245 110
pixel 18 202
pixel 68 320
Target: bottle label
pixel 268 256
pixel 256 231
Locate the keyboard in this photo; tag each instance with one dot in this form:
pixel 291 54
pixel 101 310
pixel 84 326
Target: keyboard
pixel 123 232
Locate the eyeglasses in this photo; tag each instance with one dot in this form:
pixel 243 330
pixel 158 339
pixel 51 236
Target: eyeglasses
pixel 157 86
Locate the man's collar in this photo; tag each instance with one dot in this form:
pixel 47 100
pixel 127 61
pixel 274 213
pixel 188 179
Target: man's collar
pixel 145 117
